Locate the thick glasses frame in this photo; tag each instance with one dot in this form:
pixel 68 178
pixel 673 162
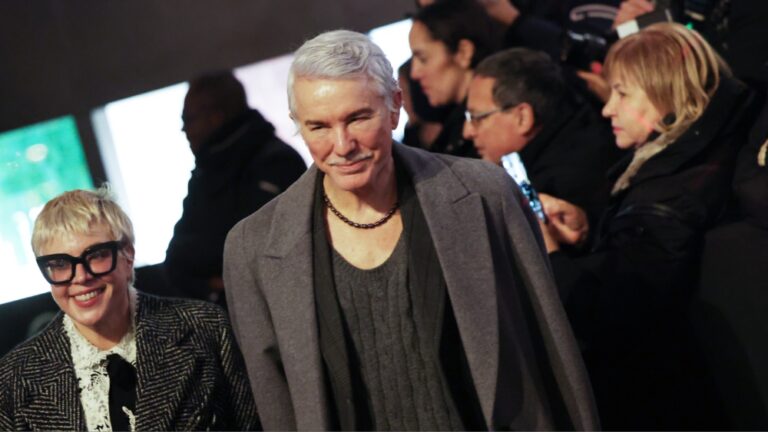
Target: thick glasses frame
pixel 476 119
pixel 112 246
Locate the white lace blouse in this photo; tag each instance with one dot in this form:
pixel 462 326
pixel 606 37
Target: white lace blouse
pixel 91 371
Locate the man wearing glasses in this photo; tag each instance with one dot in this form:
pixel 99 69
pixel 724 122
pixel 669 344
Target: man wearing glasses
pixel 114 358
pixel 518 101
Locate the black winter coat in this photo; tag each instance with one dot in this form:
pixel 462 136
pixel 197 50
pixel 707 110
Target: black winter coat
pixel 451 140
pixel 626 298
pixel 240 169
pixel 751 178
pixel 570 156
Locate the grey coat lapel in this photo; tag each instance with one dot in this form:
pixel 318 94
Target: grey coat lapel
pixel 453 213
pixel 166 369
pixel 53 401
pixel 450 211
pixel 289 289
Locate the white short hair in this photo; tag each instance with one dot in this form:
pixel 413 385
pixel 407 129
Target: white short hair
pixel 343 54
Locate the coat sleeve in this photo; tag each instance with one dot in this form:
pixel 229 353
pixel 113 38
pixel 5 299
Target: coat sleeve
pixel 571 383
pixel 277 170
pixel 642 271
pixel 10 376
pixel 6 415
pixel 242 413
pixel 255 333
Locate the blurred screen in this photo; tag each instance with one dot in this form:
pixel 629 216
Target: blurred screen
pixel 146 155
pixel 393 40
pixel 38 162
pixel 146 158
pixel 148 162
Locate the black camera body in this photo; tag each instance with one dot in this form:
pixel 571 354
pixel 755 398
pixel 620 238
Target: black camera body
pixel 580 50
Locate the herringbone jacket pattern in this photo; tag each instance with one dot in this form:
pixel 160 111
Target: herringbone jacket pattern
pixel 190 373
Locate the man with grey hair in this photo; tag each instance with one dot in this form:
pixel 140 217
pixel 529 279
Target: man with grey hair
pixel 354 301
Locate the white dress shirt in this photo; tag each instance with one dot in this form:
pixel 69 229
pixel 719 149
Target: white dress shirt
pixel 91 370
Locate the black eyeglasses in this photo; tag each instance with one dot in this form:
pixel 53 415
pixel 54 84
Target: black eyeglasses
pixel 98 260
pixel 476 119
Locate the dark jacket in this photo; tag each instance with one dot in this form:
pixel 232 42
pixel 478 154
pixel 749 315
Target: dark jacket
pixel 190 374
pixel 451 139
pixel 737 30
pixel 236 172
pixel 569 31
pixel 625 298
pixel 570 156
pixel 751 178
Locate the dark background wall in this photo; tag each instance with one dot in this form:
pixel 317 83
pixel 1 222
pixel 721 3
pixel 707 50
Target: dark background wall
pixel 62 57
pixel 67 57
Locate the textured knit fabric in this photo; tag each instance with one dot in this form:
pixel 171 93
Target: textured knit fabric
pixel 402 383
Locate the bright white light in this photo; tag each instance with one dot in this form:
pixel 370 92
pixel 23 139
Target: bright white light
pixel 393 40
pixel 25 278
pixel 147 157
pixel 265 85
pixel 36 153
pixel 148 162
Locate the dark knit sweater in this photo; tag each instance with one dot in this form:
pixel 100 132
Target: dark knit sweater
pixel 403 384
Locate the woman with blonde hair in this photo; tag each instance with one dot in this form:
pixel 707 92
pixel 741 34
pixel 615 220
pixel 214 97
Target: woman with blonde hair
pixel 674 105
pixel 115 358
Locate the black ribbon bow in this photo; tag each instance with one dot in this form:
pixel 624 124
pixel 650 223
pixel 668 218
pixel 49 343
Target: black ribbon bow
pixel 122 391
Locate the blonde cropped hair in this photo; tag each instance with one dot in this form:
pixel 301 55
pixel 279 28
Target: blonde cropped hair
pixel 78 212
pixel 675 66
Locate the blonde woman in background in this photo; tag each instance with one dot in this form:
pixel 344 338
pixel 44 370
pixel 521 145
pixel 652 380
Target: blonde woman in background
pixel 674 105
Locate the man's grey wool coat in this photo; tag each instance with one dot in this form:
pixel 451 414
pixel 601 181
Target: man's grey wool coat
pixel 522 356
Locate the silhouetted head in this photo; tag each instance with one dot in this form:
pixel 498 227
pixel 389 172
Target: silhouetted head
pixel 211 102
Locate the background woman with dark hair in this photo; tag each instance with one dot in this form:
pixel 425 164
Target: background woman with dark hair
pixel 448 40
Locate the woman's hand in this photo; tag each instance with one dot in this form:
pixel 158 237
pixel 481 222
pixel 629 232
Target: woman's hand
pixel 502 11
pixel 567 223
pixel 595 81
pixel 631 9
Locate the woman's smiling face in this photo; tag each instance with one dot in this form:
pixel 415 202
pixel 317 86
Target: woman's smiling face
pixel 92 302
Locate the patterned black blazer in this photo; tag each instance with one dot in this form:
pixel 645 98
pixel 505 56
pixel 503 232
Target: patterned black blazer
pixel 190 371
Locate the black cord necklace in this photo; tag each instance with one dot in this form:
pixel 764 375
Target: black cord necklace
pixel 360 225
